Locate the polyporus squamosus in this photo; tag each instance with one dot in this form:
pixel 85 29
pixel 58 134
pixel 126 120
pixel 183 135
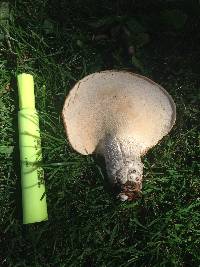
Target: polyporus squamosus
pixel 119 115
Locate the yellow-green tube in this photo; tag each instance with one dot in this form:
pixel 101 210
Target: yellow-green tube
pixel 32 176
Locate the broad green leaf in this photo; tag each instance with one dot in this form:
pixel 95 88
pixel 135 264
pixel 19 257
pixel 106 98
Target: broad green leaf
pixel 105 21
pixel 136 62
pixel 174 18
pixel 141 39
pixel 134 26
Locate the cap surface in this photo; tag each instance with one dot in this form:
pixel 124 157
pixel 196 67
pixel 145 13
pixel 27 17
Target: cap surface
pixel 118 103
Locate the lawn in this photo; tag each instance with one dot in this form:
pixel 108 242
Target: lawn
pixel 60 42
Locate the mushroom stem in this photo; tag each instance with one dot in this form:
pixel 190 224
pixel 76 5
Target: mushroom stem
pixel 124 167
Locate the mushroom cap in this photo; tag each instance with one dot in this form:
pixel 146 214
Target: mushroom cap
pixel 117 103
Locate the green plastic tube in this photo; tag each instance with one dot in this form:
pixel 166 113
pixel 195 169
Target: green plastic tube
pixel 32 175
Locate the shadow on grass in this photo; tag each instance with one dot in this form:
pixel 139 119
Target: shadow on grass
pixel 16 153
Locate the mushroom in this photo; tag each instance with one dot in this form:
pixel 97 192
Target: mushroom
pixel 120 115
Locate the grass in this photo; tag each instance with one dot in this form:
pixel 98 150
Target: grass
pixel 56 43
